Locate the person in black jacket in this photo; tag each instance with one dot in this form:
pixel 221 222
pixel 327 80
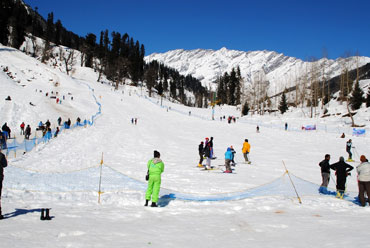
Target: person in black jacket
pixel 325 173
pixel 207 153
pixel 3 164
pixel 201 154
pixel 342 170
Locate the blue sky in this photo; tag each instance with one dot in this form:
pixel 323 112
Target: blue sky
pixel 298 28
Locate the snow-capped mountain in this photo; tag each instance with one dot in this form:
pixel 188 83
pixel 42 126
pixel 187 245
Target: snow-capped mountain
pixel 279 70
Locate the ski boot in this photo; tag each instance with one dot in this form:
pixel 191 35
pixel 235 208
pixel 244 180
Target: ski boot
pixel 146 203
pixel 154 205
pixel 47 216
pixel 42 217
pixel 350 160
pixel 200 165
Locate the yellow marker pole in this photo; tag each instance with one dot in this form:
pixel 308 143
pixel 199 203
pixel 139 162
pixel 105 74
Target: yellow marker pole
pixel 287 172
pixel 101 169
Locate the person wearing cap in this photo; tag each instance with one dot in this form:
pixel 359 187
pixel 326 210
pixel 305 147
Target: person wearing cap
pixel 155 169
pixel 201 154
pixel 325 173
pixel 246 149
pixel 3 164
pixel 342 170
pixel 363 170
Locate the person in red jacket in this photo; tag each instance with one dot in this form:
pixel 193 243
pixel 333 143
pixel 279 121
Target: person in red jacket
pixel 22 128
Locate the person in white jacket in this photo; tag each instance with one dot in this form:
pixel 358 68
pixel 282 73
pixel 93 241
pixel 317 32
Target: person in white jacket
pixel 363 170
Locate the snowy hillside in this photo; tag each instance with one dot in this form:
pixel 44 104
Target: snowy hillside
pixel 281 71
pixel 256 205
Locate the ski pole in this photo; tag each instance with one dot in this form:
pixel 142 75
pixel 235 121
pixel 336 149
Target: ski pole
pixel 287 172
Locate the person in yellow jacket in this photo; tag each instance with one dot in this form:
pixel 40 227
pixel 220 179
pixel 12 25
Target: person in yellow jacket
pixel 246 149
pixel 155 169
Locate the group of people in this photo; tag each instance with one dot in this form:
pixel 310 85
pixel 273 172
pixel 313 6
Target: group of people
pixel 342 170
pixel 205 149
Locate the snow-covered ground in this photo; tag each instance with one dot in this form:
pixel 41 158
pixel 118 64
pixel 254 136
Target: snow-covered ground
pixel 63 174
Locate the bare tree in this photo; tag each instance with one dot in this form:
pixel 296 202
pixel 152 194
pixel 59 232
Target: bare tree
pixel 68 57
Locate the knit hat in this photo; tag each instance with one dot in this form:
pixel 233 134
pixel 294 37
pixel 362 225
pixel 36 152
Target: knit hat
pixel 363 158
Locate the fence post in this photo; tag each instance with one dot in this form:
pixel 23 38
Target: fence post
pixel 101 169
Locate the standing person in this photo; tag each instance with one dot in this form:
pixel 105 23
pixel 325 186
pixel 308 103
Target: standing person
pixel 228 158
pixel 325 174
pixel 22 128
pixel 155 169
pixel 56 132
pixel 3 141
pixel 348 150
pixel 342 170
pixel 207 153
pixel 363 170
pixel 211 146
pixel 257 129
pixel 6 129
pixel 286 126
pixel 28 132
pixel 3 164
pixel 201 154
pixel 246 149
pixel 135 121
pixel 59 121
pixel 233 152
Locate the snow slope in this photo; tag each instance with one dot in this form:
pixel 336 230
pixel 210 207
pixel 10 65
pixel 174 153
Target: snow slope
pixel 63 174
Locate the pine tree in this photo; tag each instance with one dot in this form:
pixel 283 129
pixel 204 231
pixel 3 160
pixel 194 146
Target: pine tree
pixel 283 106
pixel 245 109
pixel 368 98
pixel 357 98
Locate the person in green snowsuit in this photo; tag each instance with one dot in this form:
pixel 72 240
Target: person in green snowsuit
pixel 155 169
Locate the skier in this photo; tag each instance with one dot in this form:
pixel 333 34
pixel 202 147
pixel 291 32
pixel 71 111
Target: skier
pixel 348 150
pixel 155 169
pixel 28 132
pixel 201 154
pixel 22 128
pixel 363 170
pixel 286 126
pixel 342 170
pixel 325 173
pixel 257 129
pixel 246 149
pixel 59 121
pixel 3 164
pixel 207 153
pixel 69 122
pixel 228 158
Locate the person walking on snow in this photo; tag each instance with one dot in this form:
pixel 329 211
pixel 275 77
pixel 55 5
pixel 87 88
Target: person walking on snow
pixel 342 170
pixel 155 169
pixel 211 145
pixel 325 173
pixel 363 171
pixel 246 149
pixel 201 154
pixel 348 150
pixel 3 164
pixel 228 158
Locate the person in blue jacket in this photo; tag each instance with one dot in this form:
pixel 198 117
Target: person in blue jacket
pixel 228 158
